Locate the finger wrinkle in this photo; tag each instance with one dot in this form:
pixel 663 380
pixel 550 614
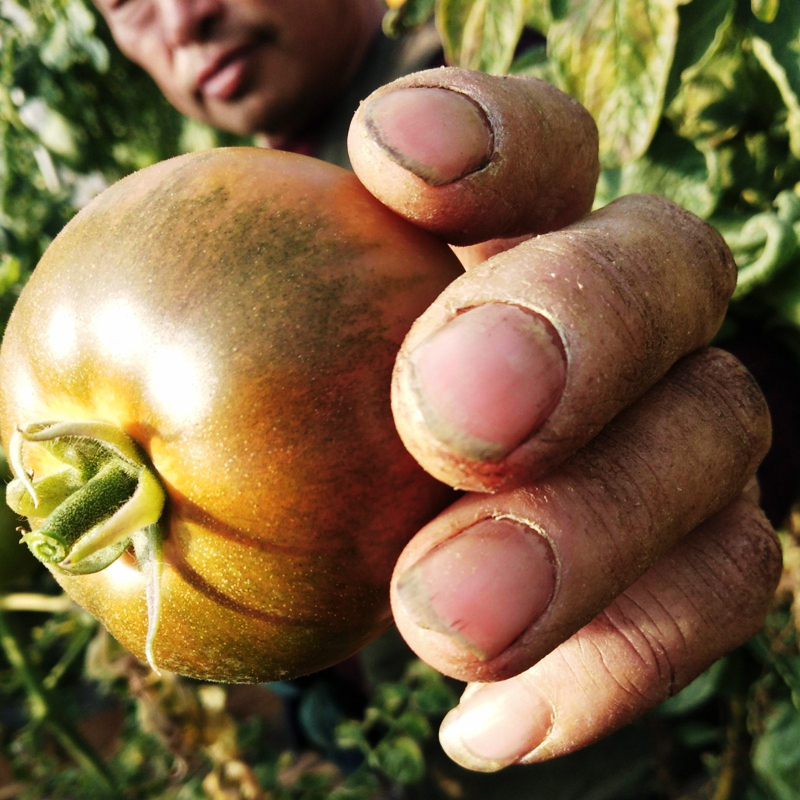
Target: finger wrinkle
pixel 580 649
pixel 651 654
pixel 590 510
pixel 658 621
pixel 674 576
pixel 767 551
pixel 614 290
pixel 754 555
pixel 664 623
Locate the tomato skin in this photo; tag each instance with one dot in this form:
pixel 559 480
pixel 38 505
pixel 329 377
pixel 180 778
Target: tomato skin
pixel 237 312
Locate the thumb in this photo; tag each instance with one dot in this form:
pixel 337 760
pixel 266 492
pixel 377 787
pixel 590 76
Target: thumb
pixel 472 157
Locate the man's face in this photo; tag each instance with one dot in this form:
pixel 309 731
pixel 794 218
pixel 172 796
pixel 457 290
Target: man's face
pixel 246 65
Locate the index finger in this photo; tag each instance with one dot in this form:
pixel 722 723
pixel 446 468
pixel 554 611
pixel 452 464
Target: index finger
pixel 472 157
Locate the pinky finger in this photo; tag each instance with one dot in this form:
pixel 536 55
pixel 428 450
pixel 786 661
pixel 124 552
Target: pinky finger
pixel 706 596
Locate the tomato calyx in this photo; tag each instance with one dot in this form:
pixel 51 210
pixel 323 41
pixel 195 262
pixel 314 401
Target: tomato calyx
pixel 105 500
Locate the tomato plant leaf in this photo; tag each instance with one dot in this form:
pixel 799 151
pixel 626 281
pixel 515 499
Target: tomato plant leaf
pixel 700 28
pixel 534 63
pixel 765 10
pixel 391 697
pixel 539 15
pixel 400 758
pixel 776 45
pixel 615 57
pixel 481 34
pixel 403 17
pixel 415 725
pixel 672 167
pixel 349 735
pixel 776 757
pixel 698 692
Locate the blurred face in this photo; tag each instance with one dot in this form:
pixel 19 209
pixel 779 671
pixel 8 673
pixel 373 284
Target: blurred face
pixel 246 66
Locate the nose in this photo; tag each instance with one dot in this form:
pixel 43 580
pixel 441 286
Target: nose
pixel 187 21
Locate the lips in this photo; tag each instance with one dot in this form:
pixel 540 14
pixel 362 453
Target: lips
pixel 223 75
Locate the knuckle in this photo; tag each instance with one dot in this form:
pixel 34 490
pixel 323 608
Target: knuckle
pixel 738 557
pixel 734 396
pixel 755 554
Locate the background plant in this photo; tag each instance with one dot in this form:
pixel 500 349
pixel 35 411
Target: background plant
pixel 698 100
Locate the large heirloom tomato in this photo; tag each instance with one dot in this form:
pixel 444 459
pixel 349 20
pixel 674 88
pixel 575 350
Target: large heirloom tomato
pixel 194 393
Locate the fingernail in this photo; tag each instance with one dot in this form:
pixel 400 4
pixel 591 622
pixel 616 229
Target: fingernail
pixel 483 587
pixel 497 725
pixel 439 135
pixel 488 379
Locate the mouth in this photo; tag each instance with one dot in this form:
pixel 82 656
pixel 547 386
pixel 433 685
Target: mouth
pixel 223 76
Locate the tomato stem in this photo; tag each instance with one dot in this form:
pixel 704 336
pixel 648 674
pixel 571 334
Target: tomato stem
pixel 106 499
pixel 45 709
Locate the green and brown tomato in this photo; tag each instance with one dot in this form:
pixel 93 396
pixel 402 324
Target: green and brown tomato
pixel 194 387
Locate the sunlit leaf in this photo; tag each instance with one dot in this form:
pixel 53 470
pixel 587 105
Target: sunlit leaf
pixel 700 29
pixel 53 129
pixel 715 96
pixel 480 34
pixel 765 10
pixel 615 57
pixel 539 16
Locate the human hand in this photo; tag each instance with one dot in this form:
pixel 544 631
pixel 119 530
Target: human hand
pixel 606 551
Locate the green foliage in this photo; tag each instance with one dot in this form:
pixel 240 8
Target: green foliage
pixel 697 100
pixel 776 44
pixel 672 166
pixel 396 725
pixel 481 35
pixel 776 755
pixel 408 17
pixel 75 115
pixel 616 57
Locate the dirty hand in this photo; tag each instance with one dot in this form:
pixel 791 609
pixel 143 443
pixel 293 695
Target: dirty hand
pixel 608 548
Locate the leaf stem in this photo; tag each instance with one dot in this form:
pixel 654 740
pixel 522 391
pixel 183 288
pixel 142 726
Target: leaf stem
pixel 27 601
pixel 43 709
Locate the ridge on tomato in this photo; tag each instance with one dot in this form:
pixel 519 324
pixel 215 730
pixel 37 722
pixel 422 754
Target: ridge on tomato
pixel 194 393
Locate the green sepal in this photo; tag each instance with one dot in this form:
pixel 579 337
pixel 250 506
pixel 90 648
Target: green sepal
pixel 142 508
pixel 83 513
pixel 85 446
pixel 94 563
pixel 51 491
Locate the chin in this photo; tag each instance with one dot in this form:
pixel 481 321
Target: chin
pixel 242 116
pixel 278 120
